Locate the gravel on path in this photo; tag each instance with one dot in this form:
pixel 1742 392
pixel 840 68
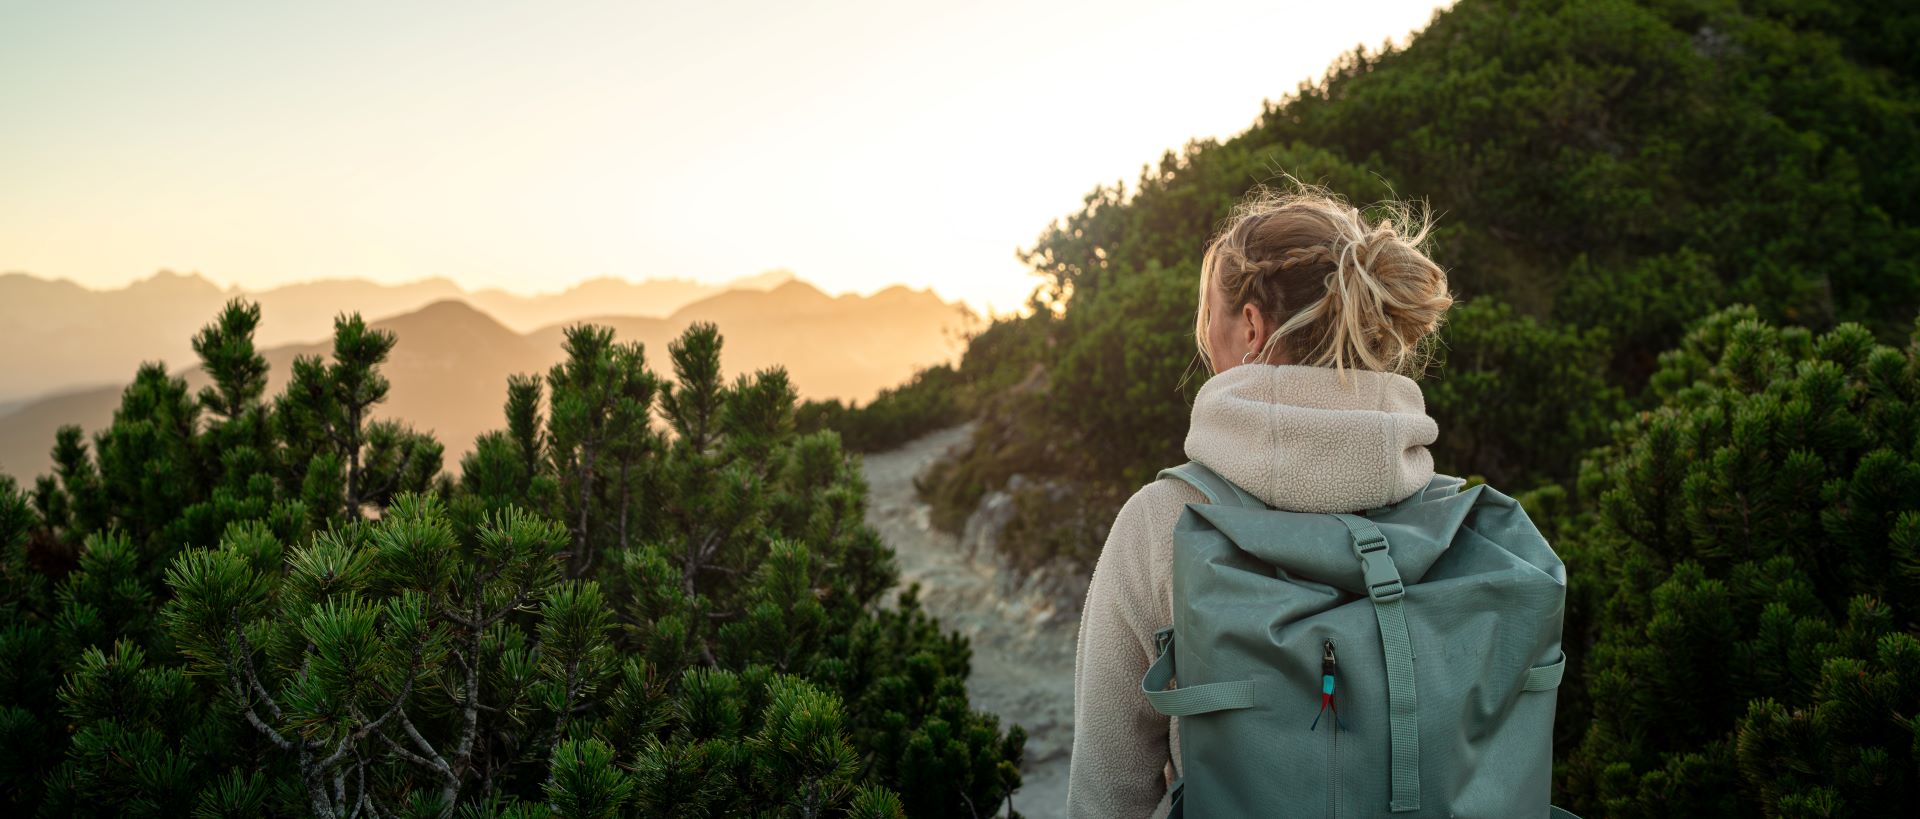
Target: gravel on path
pixel 1022 661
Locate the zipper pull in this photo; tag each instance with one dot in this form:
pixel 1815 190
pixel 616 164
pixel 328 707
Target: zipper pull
pixel 1328 664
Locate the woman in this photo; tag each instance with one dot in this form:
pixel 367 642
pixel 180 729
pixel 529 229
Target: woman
pixel 1309 314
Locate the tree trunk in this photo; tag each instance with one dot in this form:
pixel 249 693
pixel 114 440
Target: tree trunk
pixel 625 503
pixel 580 547
pixel 353 463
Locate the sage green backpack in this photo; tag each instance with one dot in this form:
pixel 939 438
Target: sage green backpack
pixel 1398 661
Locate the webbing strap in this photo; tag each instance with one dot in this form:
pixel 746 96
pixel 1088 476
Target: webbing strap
pixel 1403 701
pixel 1545 677
pixel 1219 491
pixel 1188 700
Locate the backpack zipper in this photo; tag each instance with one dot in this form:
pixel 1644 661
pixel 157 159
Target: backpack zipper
pixel 1329 663
pixel 1333 788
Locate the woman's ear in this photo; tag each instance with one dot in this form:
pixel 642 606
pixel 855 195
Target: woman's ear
pixel 1257 329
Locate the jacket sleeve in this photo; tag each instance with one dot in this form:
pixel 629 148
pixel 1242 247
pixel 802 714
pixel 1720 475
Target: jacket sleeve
pixel 1121 753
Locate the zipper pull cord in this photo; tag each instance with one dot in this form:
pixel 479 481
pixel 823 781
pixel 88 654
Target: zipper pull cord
pixel 1328 663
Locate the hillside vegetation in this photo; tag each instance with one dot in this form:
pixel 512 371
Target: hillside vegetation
pixel 1733 487
pixel 231 603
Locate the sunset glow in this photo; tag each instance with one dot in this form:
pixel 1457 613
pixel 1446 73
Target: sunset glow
pixel 530 146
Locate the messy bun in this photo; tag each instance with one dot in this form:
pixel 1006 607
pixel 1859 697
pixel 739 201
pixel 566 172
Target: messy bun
pixel 1341 290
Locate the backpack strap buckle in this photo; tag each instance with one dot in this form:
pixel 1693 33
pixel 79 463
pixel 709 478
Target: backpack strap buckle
pixel 1387 590
pixel 1376 563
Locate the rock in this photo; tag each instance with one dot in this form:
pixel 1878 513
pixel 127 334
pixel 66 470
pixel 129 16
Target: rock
pixel 1022 638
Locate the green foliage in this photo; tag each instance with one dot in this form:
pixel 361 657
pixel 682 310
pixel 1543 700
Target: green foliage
pixel 1129 341
pixel 1608 170
pixel 226 351
pixel 585 782
pixel 1503 380
pixel 933 399
pixel 1751 566
pixel 235 606
pixel 370 658
pixel 598 430
pixel 325 426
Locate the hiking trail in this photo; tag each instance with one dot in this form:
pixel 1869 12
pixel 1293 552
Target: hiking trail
pixel 1022 660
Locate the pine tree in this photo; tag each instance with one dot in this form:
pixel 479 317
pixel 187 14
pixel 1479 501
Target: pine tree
pixel 597 435
pixel 523 420
pixel 760 563
pixel 1748 575
pixel 239 643
pixel 226 352
pixel 70 502
pixel 238 442
pixel 29 668
pixel 372 656
pixel 507 467
pixel 325 422
pixel 149 459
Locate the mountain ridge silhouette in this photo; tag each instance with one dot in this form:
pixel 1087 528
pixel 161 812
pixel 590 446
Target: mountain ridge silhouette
pixel 57 335
pixel 452 359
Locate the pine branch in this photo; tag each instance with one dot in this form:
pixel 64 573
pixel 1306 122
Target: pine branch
pixel 406 689
pixel 438 762
pixel 253 678
pixel 566 710
pixel 405 754
pixel 470 718
pixel 253 718
pixel 333 759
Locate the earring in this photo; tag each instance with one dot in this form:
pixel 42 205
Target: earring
pixel 1248 358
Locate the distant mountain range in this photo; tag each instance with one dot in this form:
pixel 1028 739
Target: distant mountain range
pixel 450 367
pixel 57 335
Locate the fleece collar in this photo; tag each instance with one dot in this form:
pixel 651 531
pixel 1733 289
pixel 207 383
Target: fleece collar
pixel 1300 440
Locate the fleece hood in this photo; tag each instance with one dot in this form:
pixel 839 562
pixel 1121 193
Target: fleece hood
pixel 1298 439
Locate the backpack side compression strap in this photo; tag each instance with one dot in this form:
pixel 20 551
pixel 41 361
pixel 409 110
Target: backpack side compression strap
pixel 1219 491
pixel 1546 677
pixel 1403 700
pixel 1188 700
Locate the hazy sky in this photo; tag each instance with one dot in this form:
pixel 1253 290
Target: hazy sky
pixel 531 145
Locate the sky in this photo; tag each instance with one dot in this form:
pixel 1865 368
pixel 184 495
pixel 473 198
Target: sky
pixel 529 146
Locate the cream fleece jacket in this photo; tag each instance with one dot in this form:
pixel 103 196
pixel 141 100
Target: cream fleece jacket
pixel 1294 437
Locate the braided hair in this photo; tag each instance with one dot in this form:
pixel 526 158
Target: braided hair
pixel 1341 290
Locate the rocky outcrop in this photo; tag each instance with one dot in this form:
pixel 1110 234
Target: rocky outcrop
pixel 1041 593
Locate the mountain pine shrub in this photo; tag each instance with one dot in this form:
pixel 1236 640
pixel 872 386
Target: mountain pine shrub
pixel 1746 581
pixel 226 604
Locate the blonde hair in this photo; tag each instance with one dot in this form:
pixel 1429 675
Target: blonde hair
pixel 1342 290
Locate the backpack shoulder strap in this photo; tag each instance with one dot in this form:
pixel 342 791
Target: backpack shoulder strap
pixel 1219 491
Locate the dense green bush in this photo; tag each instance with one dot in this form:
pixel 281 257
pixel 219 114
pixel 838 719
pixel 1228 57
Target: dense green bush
pixel 1611 170
pixel 229 606
pixel 1515 396
pixel 933 399
pixel 1747 578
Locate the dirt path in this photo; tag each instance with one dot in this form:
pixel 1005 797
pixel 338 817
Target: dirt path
pixel 1022 667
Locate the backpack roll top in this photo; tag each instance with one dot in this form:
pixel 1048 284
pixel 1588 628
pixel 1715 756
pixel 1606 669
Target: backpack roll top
pixel 1401 661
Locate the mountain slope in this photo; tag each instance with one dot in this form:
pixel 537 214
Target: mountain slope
pixel 846 347
pixel 56 335
pixel 450 366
